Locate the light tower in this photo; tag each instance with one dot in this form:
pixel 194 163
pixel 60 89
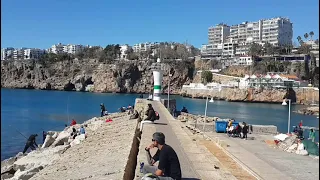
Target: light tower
pixel 157 77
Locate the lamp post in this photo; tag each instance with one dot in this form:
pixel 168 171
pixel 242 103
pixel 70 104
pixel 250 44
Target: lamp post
pixel 284 103
pixel 169 92
pixel 205 112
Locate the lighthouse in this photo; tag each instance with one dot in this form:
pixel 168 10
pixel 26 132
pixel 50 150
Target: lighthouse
pixel 157 77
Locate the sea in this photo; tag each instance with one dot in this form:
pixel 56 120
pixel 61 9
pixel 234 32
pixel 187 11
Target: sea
pixel 26 112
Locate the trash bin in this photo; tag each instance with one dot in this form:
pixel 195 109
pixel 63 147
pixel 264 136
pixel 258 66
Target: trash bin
pixel 221 126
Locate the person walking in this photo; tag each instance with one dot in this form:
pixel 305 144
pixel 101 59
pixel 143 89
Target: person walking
pixel 30 143
pixel 245 131
pixel 169 165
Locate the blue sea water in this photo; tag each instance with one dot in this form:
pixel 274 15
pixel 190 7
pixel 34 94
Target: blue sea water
pixel 34 111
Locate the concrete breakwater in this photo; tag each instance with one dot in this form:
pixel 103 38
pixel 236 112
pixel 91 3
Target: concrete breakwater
pixel 108 152
pixel 208 124
pixel 302 95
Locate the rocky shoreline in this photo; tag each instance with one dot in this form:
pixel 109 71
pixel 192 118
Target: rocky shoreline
pixel 309 111
pixel 59 157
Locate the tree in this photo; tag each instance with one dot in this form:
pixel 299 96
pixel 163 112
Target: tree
pixel 206 76
pixel 311 34
pixel 300 40
pixel 306 35
pixel 254 51
pixel 269 49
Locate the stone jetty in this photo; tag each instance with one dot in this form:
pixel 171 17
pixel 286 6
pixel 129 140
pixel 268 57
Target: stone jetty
pixel 104 154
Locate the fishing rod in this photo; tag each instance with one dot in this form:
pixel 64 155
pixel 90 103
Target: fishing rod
pixel 19 132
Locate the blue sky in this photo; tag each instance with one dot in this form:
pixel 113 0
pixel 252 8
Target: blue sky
pixel 42 23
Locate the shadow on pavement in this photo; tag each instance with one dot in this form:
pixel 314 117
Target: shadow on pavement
pixel 161 123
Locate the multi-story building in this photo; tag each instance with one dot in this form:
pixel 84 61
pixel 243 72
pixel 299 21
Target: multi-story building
pixel 57 48
pixel 18 54
pixel 218 34
pixel 70 48
pixel 141 47
pixel 276 31
pixel 33 53
pixel 124 49
pixel 7 53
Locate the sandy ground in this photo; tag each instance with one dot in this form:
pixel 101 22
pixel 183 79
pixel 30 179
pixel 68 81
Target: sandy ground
pixel 103 155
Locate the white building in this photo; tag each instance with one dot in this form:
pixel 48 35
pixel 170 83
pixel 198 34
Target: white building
pixel 312 44
pixel 218 34
pixel 244 60
pixel 69 48
pixel 7 53
pixel 124 49
pixel 142 47
pixel 33 53
pixel 276 31
pixel 57 48
pixel 18 54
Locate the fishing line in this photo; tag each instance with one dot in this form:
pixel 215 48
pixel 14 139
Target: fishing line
pixel 19 132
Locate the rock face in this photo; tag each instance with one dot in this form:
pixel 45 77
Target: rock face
pixel 122 76
pixel 300 95
pixel 309 111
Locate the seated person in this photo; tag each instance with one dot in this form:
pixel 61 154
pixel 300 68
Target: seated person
pixel 169 165
pixel 135 115
pixel 184 109
pixel 295 130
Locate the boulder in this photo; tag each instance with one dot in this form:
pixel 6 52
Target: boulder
pixel 75 142
pixel 55 135
pixel 61 139
pixel 95 125
pixel 48 141
pixel 25 175
pixel 7 164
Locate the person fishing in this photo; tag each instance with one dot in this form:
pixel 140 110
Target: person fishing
pixel 103 109
pixel 44 135
pixel 30 143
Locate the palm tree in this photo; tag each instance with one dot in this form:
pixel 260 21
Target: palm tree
pixel 311 34
pixel 306 35
pixel 299 40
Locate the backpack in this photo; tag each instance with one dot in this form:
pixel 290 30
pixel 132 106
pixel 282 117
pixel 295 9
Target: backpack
pixel 157 115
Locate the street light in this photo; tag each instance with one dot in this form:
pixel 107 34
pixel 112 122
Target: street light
pixel 205 112
pixel 284 103
pixel 169 92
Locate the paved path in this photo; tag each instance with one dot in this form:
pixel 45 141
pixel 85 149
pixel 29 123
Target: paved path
pixel 268 162
pixel 162 125
pixel 195 159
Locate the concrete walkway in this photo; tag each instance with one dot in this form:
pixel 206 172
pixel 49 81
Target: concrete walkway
pixel 268 162
pixel 196 161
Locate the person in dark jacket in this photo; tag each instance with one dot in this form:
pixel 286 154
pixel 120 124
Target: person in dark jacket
pixel 150 113
pixel 30 143
pixel 245 130
pixel 103 109
pixel 44 135
pixel 151 116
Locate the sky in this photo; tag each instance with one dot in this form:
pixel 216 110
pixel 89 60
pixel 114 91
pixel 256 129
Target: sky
pixel 42 23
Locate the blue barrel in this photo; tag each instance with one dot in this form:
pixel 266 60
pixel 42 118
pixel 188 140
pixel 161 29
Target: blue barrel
pixel 221 126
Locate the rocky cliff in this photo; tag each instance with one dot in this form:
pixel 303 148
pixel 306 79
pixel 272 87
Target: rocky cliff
pixel 297 95
pixel 120 77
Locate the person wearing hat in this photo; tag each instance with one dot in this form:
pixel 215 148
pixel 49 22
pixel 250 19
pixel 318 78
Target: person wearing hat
pixel 103 109
pixel 30 143
pixel 169 165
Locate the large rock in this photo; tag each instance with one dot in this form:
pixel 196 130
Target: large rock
pixel 25 175
pixel 61 139
pixel 48 141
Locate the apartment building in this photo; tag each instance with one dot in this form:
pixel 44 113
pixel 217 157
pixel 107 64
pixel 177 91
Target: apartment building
pixel 218 34
pixel 69 48
pixel 33 53
pixel 18 54
pixel 7 53
pixel 276 31
pixel 124 49
pixel 141 47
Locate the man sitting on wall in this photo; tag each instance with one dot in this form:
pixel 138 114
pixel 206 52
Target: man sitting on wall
pixel 169 165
